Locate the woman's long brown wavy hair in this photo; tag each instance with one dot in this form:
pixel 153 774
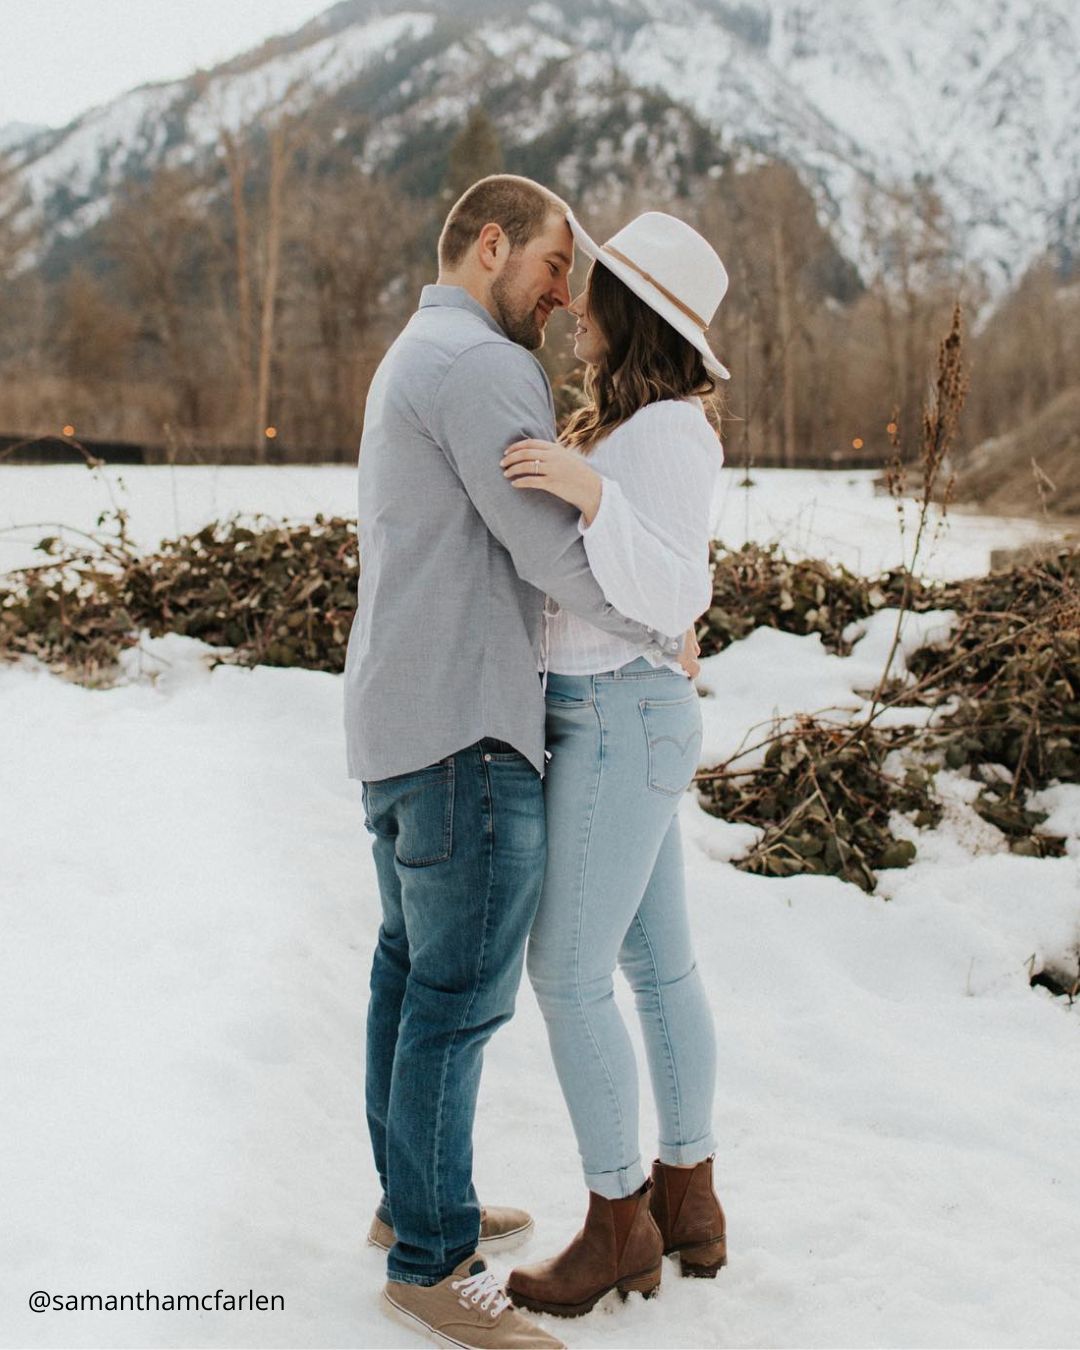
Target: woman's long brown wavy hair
pixel 646 360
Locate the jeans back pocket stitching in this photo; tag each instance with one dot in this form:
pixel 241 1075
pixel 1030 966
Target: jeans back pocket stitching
pixel 448 828
pixel 652 740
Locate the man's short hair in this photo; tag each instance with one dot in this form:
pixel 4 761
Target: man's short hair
pixel 520 206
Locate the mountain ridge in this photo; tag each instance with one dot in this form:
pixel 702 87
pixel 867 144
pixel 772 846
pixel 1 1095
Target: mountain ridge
pixel 977 101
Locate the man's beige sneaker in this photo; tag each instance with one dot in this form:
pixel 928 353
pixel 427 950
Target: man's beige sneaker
pixel 468 1309
pixel 500 1229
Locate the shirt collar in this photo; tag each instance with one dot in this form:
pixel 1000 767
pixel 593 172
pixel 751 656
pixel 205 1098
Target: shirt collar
pixel 457 297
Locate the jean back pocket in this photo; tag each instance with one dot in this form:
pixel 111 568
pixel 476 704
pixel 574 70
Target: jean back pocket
pixel 417 811
pixel 673 735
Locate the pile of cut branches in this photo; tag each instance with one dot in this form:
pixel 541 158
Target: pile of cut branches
pixel 1007 691
pixel 824 799
pixel 1013 668
pixel 281 595
pixel 1012 672
pixel 756 586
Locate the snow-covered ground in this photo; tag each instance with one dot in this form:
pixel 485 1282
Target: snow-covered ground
pixel 809 512
pixel 189 907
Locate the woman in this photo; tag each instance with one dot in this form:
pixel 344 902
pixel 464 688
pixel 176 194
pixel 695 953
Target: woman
pixel 624 733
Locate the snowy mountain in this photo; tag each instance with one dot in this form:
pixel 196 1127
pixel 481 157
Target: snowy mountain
pixel 975 99
pixel 15 134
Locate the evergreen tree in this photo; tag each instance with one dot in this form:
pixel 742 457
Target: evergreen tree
pixel 475 153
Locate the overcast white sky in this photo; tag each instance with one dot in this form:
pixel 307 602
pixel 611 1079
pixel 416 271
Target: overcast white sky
pixel 60 57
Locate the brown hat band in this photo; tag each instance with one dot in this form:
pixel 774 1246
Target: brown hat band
pixel 606 248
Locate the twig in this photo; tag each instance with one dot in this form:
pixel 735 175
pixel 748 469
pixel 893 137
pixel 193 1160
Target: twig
pixel 939 426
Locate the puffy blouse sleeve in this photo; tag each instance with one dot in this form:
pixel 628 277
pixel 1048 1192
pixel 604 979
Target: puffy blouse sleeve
pixel 648 544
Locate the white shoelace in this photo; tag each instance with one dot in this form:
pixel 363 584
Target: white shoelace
pixel 483 1289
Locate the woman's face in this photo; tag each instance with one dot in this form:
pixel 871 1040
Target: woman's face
pixel 589 342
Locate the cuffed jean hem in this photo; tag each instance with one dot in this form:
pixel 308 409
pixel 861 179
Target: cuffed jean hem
pixel 688 1155
pixel 619 1184
pixel 412 1277
pixel 425 1281
pixel 428 1277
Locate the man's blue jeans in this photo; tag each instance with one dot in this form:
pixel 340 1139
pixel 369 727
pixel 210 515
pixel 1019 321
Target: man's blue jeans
pixel 459 850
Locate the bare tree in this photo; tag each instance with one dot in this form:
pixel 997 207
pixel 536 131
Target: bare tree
pixel 279 149
pixel 14 235
pixel 237 166
pixel 914 280
pixel 260 163
pixel 764 224
pixel 95 334
pixel 350 282
pixel 154 234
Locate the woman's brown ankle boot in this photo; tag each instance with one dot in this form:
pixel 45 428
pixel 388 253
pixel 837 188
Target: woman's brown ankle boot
pixel 619 1248
pixel 690 1218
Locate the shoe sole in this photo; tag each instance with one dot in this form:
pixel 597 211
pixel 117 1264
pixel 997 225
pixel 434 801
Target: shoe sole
pixel 646 1284
pixel 503 1243
pixel 701 1261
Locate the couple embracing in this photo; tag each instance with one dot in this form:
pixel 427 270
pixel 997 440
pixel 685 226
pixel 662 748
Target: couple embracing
pixel 521 713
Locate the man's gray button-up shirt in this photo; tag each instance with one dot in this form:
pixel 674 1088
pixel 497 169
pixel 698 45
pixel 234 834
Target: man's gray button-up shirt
pixel 454 561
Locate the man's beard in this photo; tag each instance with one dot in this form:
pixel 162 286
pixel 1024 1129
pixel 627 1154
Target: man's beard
pixel 520 325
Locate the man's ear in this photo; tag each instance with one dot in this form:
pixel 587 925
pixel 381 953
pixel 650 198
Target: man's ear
pixel 492 246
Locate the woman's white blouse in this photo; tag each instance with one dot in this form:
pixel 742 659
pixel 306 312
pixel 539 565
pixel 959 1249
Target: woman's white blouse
pixel 648 544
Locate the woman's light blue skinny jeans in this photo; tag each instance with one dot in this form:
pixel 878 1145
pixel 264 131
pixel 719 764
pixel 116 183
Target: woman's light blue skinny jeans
pixel 624 747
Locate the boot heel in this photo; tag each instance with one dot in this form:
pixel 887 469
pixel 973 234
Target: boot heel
pixel 646 1285
pixel 704 1261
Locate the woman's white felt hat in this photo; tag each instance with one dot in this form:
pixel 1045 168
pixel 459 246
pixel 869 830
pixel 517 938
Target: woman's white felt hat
pixel 666 263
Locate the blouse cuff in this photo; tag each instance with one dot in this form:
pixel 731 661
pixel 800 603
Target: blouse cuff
pixel 605 489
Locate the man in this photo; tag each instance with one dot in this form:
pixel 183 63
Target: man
pixel 445 727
